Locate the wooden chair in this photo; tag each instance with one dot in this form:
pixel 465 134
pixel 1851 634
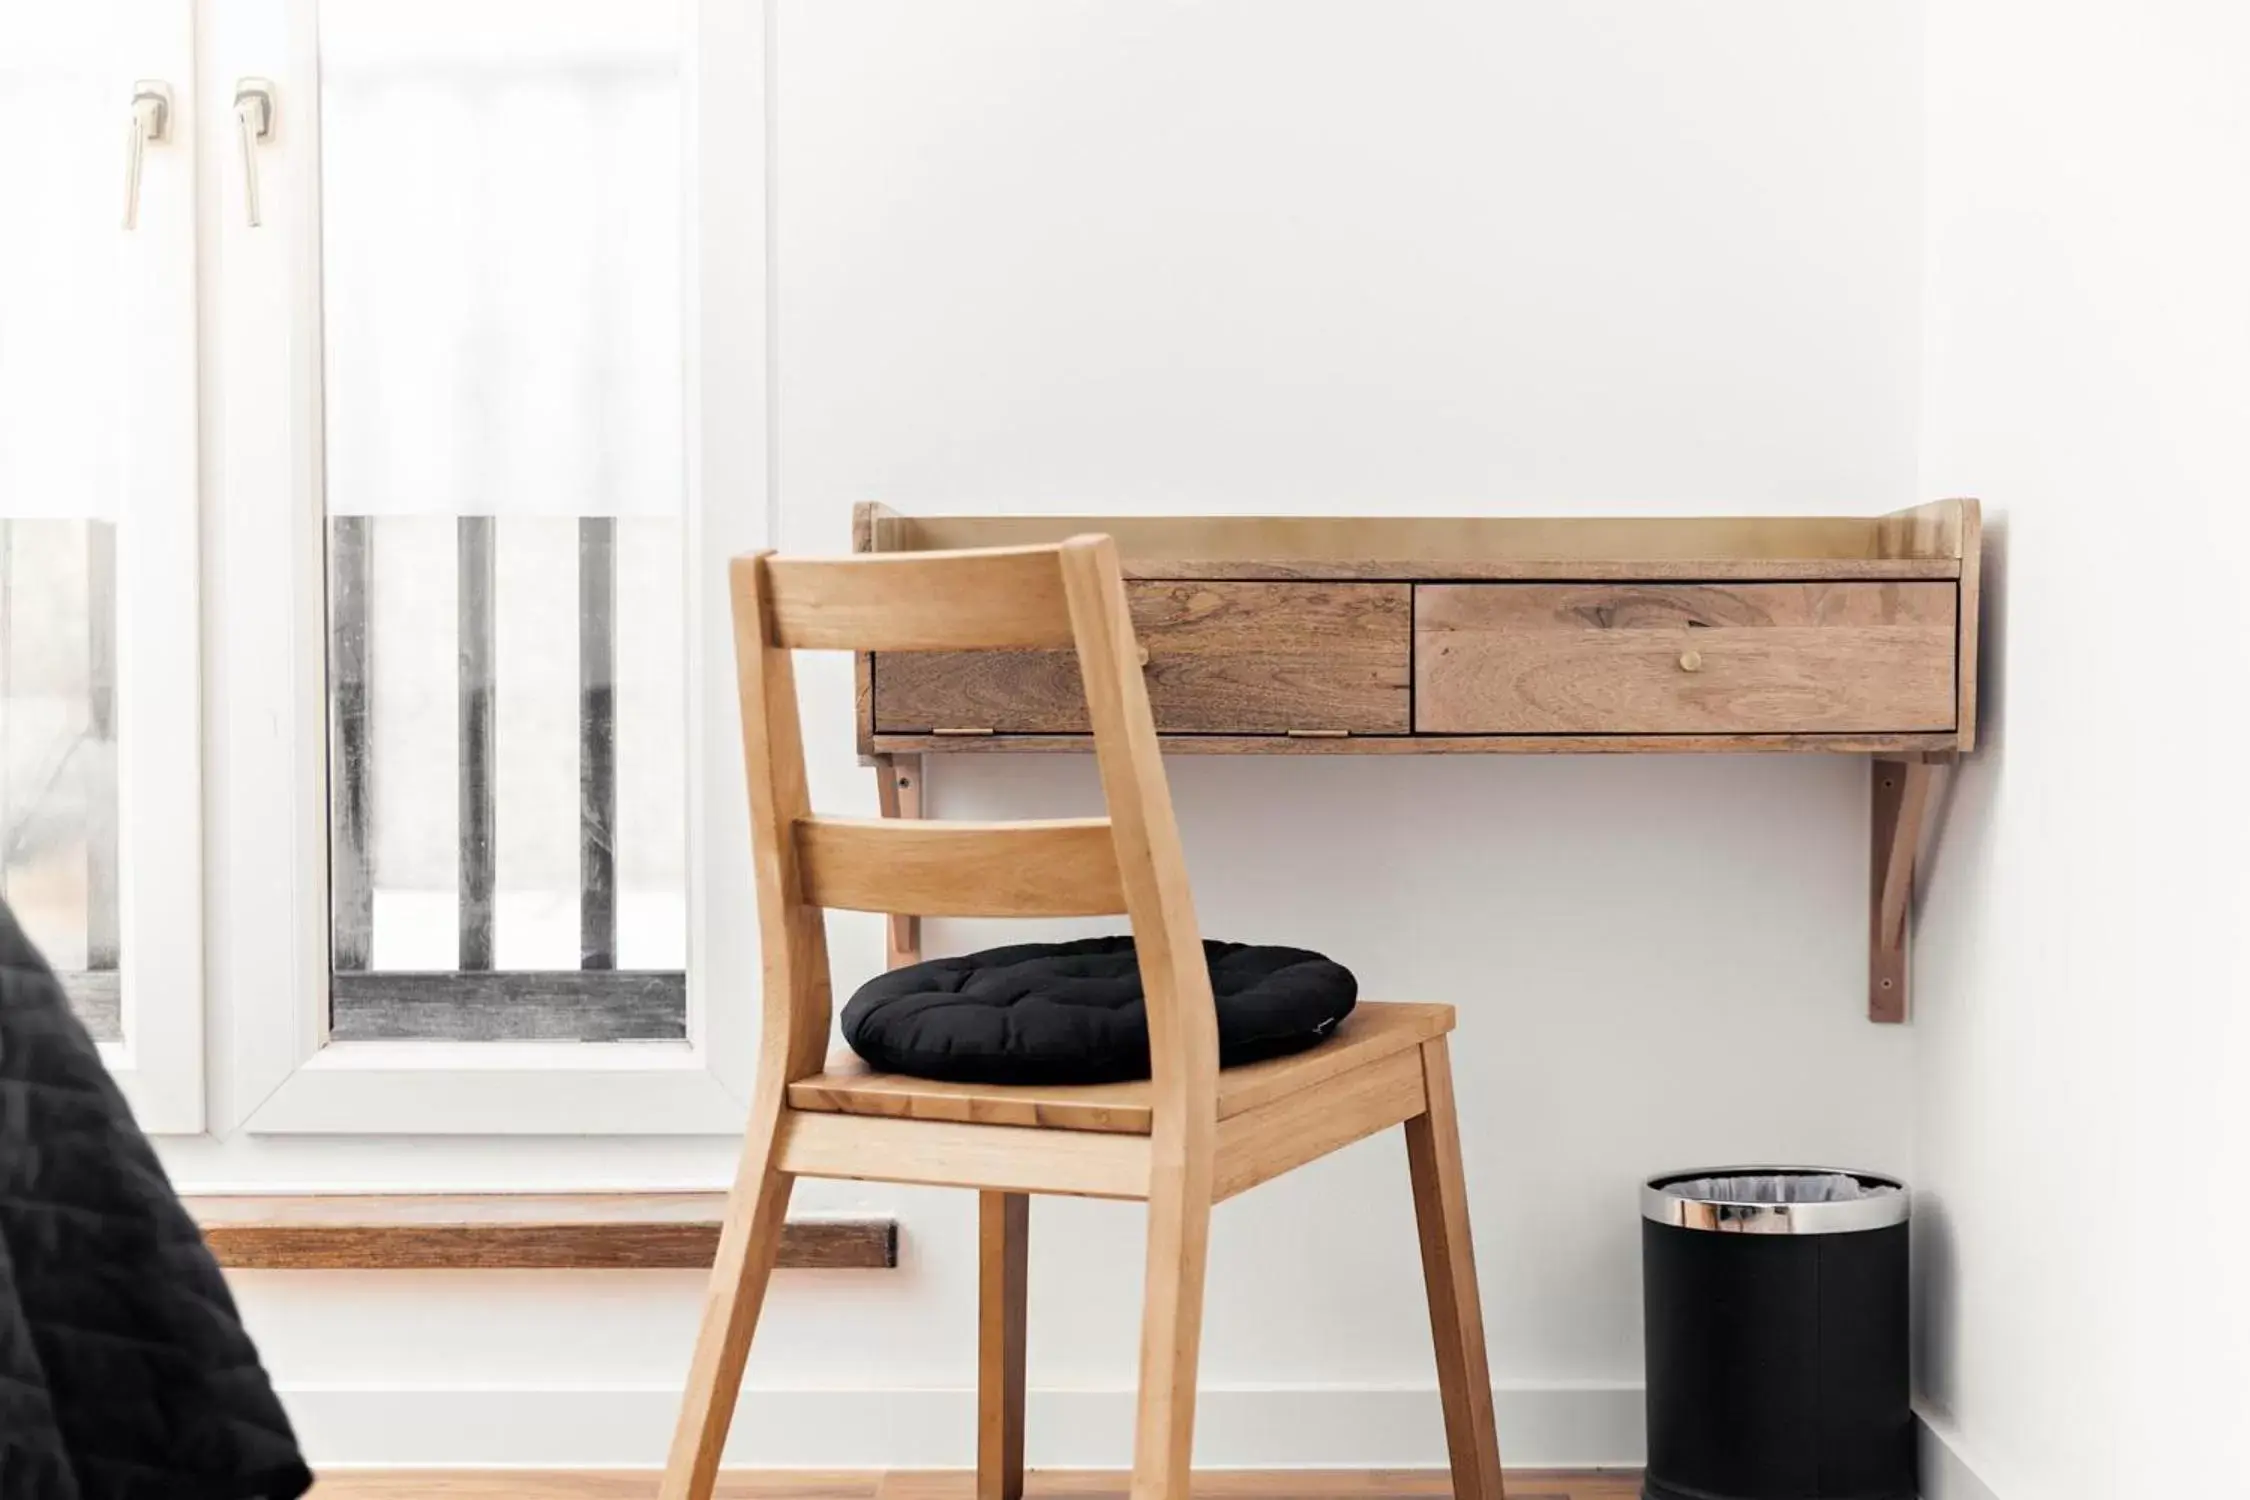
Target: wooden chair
pixel 1182 1141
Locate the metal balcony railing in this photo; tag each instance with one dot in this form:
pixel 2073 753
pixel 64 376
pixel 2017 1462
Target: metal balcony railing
pixel 597 1001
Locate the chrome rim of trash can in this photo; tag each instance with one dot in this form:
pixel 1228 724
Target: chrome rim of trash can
pixel 1661 1205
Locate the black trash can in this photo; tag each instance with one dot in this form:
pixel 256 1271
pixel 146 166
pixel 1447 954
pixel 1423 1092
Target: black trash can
pixel 1775 1305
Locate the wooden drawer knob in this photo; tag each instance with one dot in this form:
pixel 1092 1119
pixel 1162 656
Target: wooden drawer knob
pixel 1691 661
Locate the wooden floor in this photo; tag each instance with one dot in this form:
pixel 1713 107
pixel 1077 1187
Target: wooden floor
pixel 951 1484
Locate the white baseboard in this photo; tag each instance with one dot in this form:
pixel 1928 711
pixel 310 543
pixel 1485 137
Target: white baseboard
pixel 1943 1473
pixel 1305 1427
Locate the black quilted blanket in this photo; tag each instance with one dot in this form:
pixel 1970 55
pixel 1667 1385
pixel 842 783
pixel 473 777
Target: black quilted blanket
pixel 124 1374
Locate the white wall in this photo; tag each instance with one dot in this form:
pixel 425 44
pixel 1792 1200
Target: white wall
pixel 2083 1109
pixel 1286 258
pixel 1255 256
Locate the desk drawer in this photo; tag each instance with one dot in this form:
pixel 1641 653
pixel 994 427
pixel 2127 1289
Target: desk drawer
pixel 1776 658
pixel 1223 658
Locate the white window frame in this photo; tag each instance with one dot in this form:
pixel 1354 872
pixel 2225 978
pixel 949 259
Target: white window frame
pixel 159 1063
pixel 268 644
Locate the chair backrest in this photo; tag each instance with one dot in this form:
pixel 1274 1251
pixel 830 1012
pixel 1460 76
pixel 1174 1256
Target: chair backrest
pixel 1067 596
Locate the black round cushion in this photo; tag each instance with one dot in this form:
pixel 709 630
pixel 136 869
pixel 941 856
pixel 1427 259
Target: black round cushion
pixel 1075 1013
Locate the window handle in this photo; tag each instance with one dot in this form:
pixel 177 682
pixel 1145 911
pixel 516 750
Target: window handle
pixel 151 122
pixel 253 122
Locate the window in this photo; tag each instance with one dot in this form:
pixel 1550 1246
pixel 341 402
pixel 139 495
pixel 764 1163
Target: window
pixel 99 759
pixel 476 568
pixel 502 247
pixel 418 384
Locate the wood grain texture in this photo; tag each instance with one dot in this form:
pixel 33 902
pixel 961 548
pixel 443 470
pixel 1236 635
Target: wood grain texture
pixel 1937 542
pixel 586 1484
pixel 1061 867
pixel 1942 528
pixel 95 999
pixel 1179 1250
pixel 921 601
pixel 1936 743
pixel 1183 1028
pixel 875 527
pixel 1221 658
pixel 477 706
pixel 509 1231
pixel 1003 1290
pixel 597 742
pixel 351 869
pixel 898 793
pixel 956 1484
pixel 508 1005
pixel 794 1016
pixel 1003 1158
pixel 741 1269
pixel 1449 1273
pixel 1288 1114
pixel 1900 798
pixel 1291 1484
pixel 1970 630
pixel 1261 1144
pixel 1544 570
pixel 1183 1033
pixel 1953 528
pixel 1447 541
pixel 868 519
pixel 1684 659
pixel 1372 1032
pixel 1020 869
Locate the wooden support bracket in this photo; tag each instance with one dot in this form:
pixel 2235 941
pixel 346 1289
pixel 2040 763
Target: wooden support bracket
pixel 898 789
pixel 1901 800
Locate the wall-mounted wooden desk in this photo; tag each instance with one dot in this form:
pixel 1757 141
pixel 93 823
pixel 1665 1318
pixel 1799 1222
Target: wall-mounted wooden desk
pixel 1394 636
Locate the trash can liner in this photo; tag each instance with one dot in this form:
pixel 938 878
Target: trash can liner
pixel 1792 1187
pixel 1775 1200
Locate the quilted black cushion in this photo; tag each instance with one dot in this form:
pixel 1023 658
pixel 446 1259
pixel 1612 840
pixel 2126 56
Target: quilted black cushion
pixel 124 1373
pixel 1074 1012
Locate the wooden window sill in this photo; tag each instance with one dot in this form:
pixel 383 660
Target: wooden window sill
pixel 510 1231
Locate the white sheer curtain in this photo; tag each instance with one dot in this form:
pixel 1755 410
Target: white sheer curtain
pixel 503 206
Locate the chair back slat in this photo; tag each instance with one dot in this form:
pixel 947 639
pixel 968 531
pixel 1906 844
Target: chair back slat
pixel 793 940
pixel 1061 868
pixel 1070 595
pixel 1183 1030
pixel 1007 598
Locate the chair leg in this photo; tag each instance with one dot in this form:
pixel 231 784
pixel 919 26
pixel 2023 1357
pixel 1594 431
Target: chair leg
pixel 1441 1213
pixel 749 1242
pixel 1003 1282
pixel 1179 1232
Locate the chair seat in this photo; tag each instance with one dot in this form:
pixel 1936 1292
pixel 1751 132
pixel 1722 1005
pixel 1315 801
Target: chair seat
pixel 1369 1034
